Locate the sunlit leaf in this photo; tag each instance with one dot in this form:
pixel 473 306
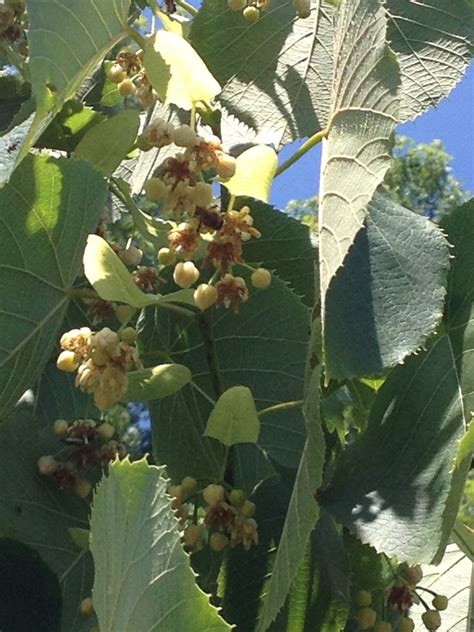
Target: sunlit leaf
pixel 234 418
pixel 46 211
pixel 143 579
pixel 107 144
pixel 160 381
pixel 254 173
pixel 177 72
pixel 113 282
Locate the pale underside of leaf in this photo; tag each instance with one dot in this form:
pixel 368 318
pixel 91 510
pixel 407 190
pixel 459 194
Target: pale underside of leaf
pixel 143 577
pixel 434 43
pixel 276 72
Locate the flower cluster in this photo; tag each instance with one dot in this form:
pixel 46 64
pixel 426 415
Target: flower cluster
pixel 101 360
pixel 225 520
pixel 13 22
pixel 129 74
pixel 90 445
pixel 400 599
pixel 181 187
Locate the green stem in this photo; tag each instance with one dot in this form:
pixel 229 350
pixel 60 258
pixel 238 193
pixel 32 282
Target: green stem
pixel 428 590
pixel 135 211
pixel 193 117
pixel 187 7
pixel 283 406
pixel 230 205
pixel 205 326
pixel 136 37
pixel 305 147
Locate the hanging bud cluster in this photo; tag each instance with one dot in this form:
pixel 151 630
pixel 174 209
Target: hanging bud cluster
pixel 250 10
pixel 403 594
pixel 101 360
pixel 180 186
pixel 226 520
pixel 13 25
pixel 129 74
pixel 89 445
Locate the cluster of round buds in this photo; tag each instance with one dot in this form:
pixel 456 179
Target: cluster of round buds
pixel 250 10
pixel 226 520
pixel 102 360
pixel 13 22
pixel 90 445
pixel 128 73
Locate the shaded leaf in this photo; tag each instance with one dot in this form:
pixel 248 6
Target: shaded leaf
pixel 434 43
pixel 35 511
pixel 303 510
pixel 234 418
pixel 389 295
pixel 107 144
pixel 246 58
pixel 143 579
pixel 46 211
pixel 262 348
pixel 464 538
pixel 398 476
pixel 160 381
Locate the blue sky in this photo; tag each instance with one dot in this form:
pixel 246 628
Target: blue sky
pixel 452 122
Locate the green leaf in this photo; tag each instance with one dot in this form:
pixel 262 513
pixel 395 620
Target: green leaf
pixel 262 348
pixel 30 597
pixel 464 538
pixel 434 46
pixel 143 580
pixel 398 476
pixel 35 511
pixel 303 510
pixel 113 282
pixel 65 44
pixel 107 144
pixel 155 383
pixel 69 126
pixel 284 247
pixel 246 59
pixel 363 114
pixel 46 211
pixel 80 537
pixel 254 173
pixel 12 94
pixel 234 418
pixel 177 72
pixel 389 295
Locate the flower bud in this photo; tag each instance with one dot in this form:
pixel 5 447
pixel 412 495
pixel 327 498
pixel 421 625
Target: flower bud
pixel 192 535
pixel 202 194
pixel 218 541
pixel 188 485
pixel 440 602
pixel 383 626
pixel 87 607
pixel 82 488
pixel 406 625
pixel 248 509
pixel 128 335
pixel 106 431
pixel 303 8
pixel 261 278
pixel 431 619
pixel 117 74
pixel 236 5
pixel 155 189
pixel 124 313
pixel 67 361
pixel 363 598
pixel 366 618
pixel 237 497
pixel 184 136
pixel 131 256
pixel 205 296
pixel 226 165
pixel 60 427
pixel 251 14
pixel 166 256
pixel 126 88
pixel 47 465
pixel 413 575
pixel 213 494
pixel 185 274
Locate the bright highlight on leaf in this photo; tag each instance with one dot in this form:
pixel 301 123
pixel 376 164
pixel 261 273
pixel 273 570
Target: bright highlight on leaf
pixel 234 418
pixel 157 382
pixel 112 281
pixel 138 558
pixel 254 174
pixel 176 71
